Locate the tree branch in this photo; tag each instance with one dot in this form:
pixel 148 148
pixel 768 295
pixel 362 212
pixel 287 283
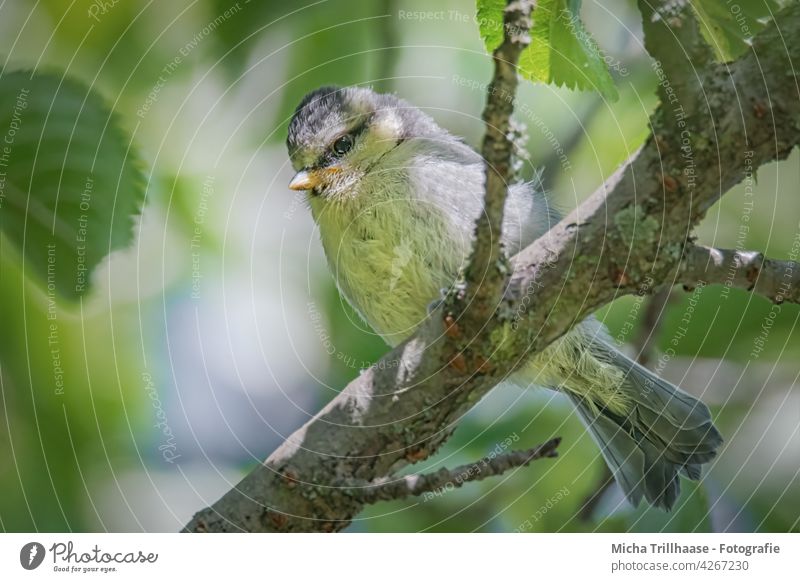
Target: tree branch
pixel 634 228
pixel 487 273
pixel 387 489
pixel 778 281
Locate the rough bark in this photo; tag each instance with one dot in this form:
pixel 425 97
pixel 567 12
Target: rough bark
pixel 630 235
pixel 778 281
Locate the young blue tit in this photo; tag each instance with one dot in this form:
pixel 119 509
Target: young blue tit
pixel 396 198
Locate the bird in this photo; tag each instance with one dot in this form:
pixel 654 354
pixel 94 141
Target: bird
pixel 395 198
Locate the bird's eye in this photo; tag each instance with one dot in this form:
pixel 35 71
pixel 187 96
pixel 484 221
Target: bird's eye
pixel 342 145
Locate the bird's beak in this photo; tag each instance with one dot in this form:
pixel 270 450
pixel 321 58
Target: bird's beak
pixel 310 179
pixel 304 180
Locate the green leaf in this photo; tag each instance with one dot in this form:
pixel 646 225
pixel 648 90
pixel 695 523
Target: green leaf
pixel 730 27
pixel 562 51
pixel 69 182
pixel 490 22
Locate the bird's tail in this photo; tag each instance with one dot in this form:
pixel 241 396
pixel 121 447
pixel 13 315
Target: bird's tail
pixel 664 432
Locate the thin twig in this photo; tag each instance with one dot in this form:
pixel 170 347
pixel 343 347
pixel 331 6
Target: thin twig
pixel 387 489
pixel 487 272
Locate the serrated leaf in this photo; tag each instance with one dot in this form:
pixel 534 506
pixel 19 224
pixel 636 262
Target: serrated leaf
pixel 563 52
pixel 490 22
pixel 69 183
pixel 729 27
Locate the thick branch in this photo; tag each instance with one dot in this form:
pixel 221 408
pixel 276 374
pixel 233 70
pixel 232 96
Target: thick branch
pixel 387 489
pixel 632 231
pixel 779 281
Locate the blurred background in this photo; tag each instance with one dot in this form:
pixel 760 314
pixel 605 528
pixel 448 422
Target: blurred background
pixel 219 331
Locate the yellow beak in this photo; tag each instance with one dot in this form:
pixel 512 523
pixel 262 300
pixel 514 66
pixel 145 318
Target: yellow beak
pixel 308 179
pixel 304 180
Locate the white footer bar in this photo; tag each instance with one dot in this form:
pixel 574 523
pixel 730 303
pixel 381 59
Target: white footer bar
pixel 388 557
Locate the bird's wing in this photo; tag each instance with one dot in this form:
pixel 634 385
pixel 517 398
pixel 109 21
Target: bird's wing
pixel 528 215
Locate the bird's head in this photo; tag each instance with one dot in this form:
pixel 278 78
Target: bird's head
pixel 338 135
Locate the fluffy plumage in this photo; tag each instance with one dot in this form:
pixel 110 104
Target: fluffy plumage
pixel 396 215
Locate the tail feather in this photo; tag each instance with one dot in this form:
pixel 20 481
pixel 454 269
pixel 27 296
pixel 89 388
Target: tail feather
pixel 666 432
pixel 619 449
pixel 691 472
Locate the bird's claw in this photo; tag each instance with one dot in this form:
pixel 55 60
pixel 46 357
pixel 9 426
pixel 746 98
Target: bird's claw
pixel 437 303
pixel 434 305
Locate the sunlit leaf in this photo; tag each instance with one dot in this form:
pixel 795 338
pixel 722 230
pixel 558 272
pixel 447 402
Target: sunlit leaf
pixel 490 22
pixel 562 51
